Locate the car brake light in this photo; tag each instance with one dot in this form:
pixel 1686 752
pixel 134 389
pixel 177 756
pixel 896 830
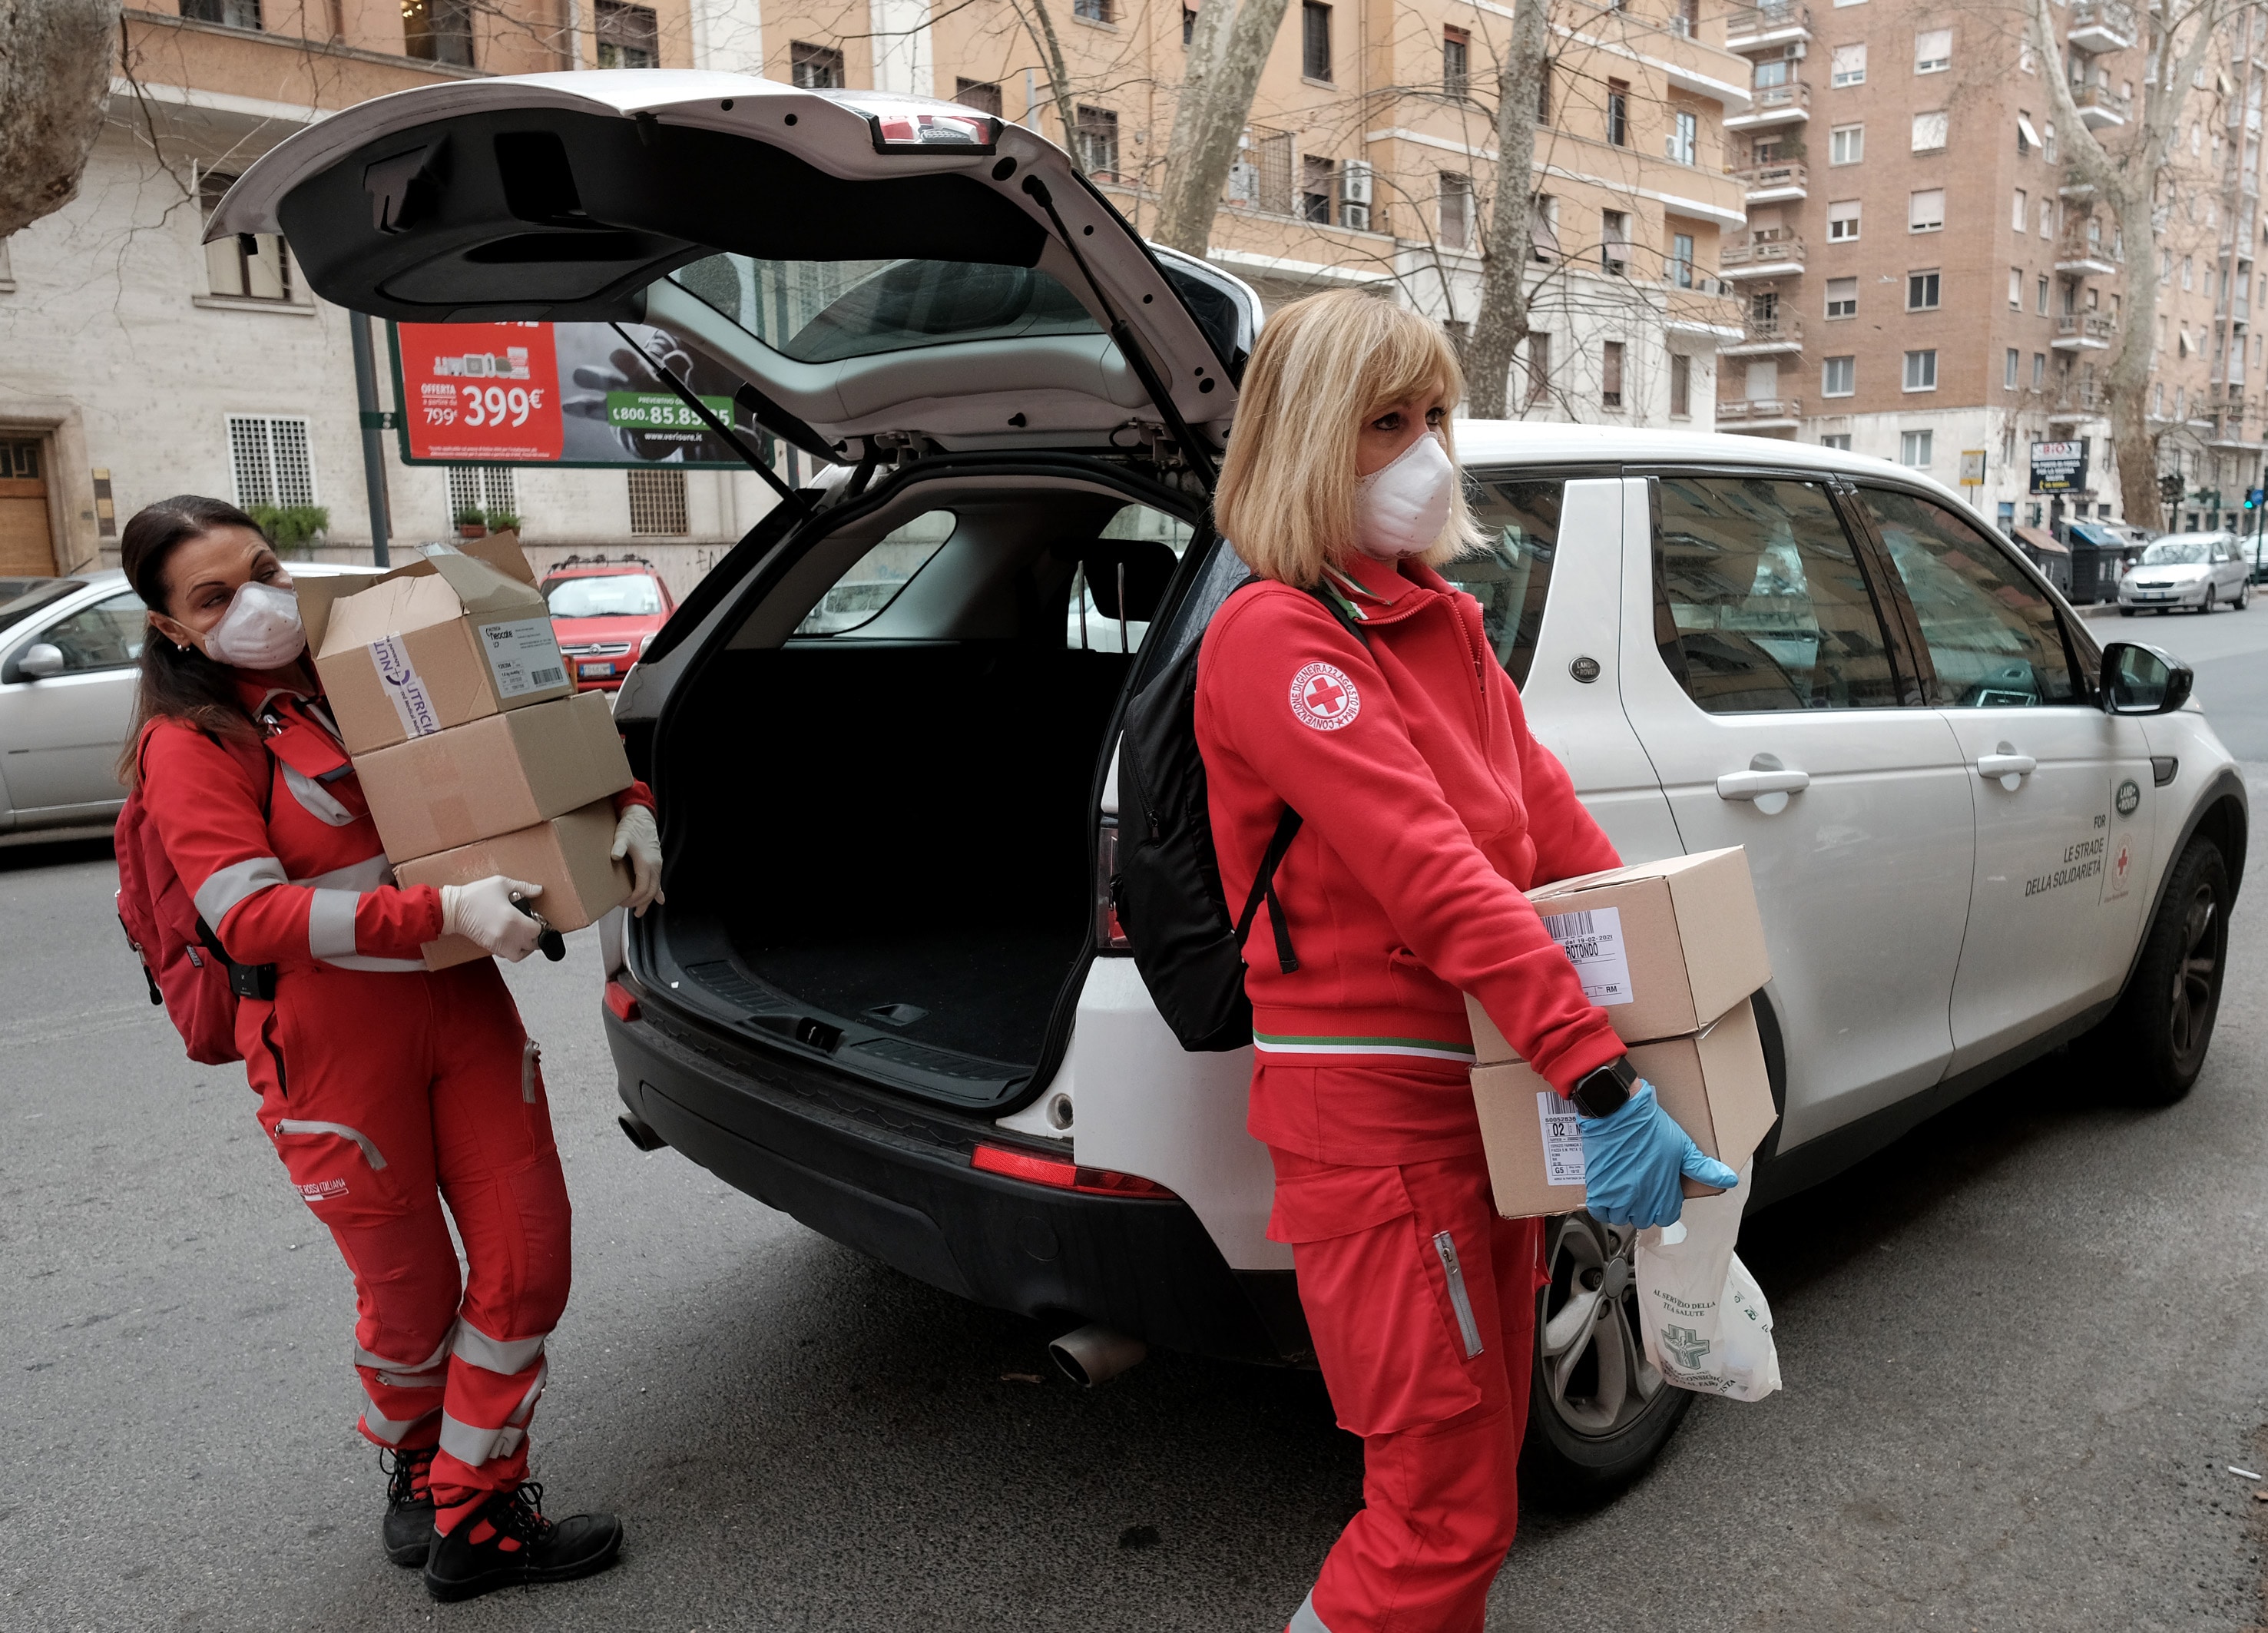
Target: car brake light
pixel 902 130
pixel 621 1003
pixel 1065 1176
pixel 1109 934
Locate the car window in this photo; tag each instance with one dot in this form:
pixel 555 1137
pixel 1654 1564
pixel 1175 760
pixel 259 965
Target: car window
pixel 876 577
pixel 1762 603
pixel 1134 556
pixel 604 595
pixel 1519 524
pixel 31 597
pixel 1991 632
pixel 105 635
pixel 2176 552
pixel 825 310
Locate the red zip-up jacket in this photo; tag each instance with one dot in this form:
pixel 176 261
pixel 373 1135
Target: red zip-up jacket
pixel 1428 810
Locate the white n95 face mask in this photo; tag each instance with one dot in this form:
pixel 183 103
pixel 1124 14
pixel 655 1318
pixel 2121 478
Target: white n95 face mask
pixel 1401 509
pixel 260 629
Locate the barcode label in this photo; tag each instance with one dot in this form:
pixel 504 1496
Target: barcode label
pixel 1593 941
pixel 1563 1139
pixel 523 656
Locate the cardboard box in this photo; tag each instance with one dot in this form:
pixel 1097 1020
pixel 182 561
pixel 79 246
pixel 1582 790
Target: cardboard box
pixel 1663 947
pixel 1711 1081
pixel 566 855
pixel 493 775
pixel 452 637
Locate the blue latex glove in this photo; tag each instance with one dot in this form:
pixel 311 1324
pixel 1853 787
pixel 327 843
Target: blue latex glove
pixel 1632 1161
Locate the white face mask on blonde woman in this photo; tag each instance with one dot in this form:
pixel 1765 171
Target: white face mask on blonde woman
pixel 1401 509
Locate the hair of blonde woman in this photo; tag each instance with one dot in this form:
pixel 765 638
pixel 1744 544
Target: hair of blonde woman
pixel 1324 367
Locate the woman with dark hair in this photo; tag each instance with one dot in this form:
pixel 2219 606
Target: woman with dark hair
pixel 386 1089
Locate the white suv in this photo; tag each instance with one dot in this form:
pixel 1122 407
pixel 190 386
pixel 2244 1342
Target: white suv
pixel 888 994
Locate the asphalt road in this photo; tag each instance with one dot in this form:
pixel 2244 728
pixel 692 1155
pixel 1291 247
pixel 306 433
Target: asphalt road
pixel 2022 1350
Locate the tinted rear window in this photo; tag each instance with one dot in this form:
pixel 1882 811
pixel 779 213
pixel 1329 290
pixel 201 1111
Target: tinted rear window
pixel 1519 521
pixel 825 310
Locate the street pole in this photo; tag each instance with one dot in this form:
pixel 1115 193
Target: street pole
pixel 373 436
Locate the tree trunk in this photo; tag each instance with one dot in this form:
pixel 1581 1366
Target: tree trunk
pixel 1058 77
pixel 1227 53
pixel 1501 323
pixel 55 58
pixel 2127 382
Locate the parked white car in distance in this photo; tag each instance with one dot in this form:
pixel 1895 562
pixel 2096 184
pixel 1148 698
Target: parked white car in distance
pixel 2191 572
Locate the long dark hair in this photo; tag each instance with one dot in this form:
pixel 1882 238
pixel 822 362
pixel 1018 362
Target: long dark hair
pixel 178 683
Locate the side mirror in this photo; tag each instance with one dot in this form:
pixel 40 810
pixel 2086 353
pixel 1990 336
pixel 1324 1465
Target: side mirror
pixel 40 660
pixel 2140 679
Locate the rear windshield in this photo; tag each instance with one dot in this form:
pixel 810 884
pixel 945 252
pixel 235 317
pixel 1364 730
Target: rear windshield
pixel 825 310
pixel 607 595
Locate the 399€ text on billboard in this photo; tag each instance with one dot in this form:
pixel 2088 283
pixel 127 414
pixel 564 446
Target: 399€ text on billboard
pixel 481 391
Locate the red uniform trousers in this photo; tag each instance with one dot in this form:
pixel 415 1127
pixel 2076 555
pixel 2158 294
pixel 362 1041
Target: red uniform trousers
pixel 1421 1300
pixel 385 1094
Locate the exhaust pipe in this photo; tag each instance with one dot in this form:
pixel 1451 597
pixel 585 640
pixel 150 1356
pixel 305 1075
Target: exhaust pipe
pixel 641 1132
pixel 1095 1354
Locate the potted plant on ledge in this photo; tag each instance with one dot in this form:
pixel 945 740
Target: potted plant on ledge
pixel 472 522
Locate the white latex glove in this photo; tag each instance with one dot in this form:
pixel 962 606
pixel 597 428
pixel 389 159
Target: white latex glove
pixel 637 838
pixel 485 913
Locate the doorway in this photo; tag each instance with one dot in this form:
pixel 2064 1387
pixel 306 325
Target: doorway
pixel 28 547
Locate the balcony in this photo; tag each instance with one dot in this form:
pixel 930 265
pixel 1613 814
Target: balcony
pixel 2081 399
pixel 1754 27
pixel 2084 331
pixel 1776 253
pixel 1774 184
pixel 2081 257
pixel 1759 414
pixel 2100 106
pixel 2100 25
pixel 1763 336
pixel 1774 105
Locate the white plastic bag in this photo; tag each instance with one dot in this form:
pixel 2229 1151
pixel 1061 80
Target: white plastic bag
pixel 1707 1327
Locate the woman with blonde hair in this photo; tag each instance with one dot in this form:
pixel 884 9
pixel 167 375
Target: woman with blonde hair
pixel 1354 686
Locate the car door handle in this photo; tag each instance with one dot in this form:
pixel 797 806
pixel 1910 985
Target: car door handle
pixel 1750 784
pixel 2006 765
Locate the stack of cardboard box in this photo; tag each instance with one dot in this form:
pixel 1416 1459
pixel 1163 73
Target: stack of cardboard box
pixel 473 747
pixel 1672 951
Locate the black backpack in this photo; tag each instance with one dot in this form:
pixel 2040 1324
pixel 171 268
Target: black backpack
pixel 1167 888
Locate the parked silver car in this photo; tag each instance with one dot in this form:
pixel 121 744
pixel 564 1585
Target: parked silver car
pixel 69 648
pixel 2192 572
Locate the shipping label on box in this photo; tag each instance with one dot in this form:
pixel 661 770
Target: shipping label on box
pixel 1714 1084
pixel 1591 938
pixel 523 656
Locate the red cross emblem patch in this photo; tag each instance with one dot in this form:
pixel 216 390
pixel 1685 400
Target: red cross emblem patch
pixel 1325 698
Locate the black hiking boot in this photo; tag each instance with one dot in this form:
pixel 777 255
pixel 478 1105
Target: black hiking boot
pixel 507 1541
pixel 409 1506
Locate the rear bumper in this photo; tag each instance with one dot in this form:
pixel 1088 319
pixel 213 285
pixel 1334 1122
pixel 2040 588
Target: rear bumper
pixel 894 1181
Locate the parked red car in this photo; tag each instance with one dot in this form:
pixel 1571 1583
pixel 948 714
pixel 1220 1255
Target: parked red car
pixel 604 612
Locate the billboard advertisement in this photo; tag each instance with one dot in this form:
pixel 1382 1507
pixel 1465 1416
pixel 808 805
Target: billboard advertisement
pixel 2059 467
pixel 557 393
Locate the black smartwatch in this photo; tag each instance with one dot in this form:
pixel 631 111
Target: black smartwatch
pixel 1600 1093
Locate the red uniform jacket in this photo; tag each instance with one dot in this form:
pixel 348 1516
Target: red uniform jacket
pixel 1428 810
pixel 292 874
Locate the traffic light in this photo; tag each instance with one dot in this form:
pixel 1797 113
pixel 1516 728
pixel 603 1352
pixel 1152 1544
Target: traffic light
pixel 2169 489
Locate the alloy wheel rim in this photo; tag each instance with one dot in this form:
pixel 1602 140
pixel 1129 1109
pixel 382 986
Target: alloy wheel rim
pixel 2196 975
pixel 1594 1372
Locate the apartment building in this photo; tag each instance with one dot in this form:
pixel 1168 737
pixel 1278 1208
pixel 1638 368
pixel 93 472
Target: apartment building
pixel 136 362
pixel 1370 158
pixel 1923 279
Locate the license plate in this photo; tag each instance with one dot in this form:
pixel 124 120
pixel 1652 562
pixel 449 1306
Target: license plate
pixel 598 669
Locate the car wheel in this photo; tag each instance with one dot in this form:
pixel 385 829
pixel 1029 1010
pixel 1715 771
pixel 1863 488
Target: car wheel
pixel 2244 595
pixel 2204 607
pixel 1597 1412
pixel 2125 612
pixel 2157 1037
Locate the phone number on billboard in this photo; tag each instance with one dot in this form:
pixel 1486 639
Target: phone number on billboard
pixel 489 404
pixel 653 415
